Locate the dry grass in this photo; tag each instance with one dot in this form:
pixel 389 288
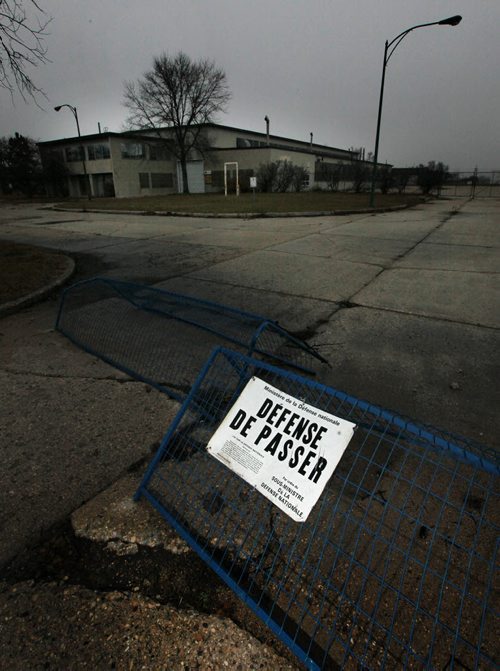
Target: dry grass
pixel 24 269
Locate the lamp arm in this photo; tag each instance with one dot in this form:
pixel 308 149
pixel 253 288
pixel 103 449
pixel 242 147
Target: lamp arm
pixel 399 38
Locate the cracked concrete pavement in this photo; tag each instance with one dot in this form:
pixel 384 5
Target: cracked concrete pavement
pixel 403 304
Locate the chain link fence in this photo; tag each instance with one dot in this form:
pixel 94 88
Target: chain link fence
pixel 396 565
pixel 474 184
pixel 164 338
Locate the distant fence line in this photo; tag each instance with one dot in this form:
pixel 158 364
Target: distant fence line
pixel 357 176
pixel 475 184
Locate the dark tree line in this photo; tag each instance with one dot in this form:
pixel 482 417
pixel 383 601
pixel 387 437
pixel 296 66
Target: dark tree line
pixel 20 166
pixel 22 172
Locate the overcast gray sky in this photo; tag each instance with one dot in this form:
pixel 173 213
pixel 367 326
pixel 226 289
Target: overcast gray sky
pixel 310 65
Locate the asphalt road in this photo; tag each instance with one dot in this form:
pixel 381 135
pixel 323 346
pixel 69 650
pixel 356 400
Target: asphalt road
pixel 404 305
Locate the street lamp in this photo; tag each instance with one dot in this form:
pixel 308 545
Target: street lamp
pixel 75 114
pixel 390 48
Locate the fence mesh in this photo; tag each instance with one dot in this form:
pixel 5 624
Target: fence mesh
pixel 164 338
pixel 473 184
pixel 394 567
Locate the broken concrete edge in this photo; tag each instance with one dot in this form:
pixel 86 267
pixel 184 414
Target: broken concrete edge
pixel 239 215
pixel 39 294
pixel 114 518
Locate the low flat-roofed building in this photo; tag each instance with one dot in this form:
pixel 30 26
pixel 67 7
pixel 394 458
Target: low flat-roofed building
pixel 140 163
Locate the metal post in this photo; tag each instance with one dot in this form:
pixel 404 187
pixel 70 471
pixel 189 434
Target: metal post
pixel 393 45
pixel 377 136
pixel 75 114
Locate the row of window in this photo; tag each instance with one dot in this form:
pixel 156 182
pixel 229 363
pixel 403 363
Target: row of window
pixel 156 180
pixel 153 152
pixel 94 152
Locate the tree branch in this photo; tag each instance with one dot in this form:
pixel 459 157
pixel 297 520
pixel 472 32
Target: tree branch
pixel 21 46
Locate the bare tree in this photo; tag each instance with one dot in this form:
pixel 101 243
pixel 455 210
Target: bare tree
pixel 181 94
pixel 21 45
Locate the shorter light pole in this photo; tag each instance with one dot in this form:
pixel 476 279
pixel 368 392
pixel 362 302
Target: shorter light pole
pixel 390 48
pixel 75 114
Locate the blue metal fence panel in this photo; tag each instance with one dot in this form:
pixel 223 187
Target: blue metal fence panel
pixel 395 566
pixel 164 338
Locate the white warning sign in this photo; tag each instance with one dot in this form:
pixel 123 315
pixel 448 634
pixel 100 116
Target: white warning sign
pixel 282 446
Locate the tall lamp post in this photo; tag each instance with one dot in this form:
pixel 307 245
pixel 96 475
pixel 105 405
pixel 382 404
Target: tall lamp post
pixel 390 48
pixel 75 114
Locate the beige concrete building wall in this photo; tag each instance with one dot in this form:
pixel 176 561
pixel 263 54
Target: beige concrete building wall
pixel 128 171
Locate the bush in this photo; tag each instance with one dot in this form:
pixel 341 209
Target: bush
pixel 266 176
pixel 432 176
pixel 300 178
pixel 385 179
pixel 281 176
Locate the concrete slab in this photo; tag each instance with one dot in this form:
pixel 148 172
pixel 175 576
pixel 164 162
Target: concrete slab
pixel 70 425
pixel 114 518
pixel 246 238
pixel 129 226
pixel 72 438
pixel 153 260
pixel 462 258
pixel 296 316
pixel 32 214
pixel 330 223
pixel 31 346
pixel 293 274
pixel 56 239
pixel 434 371
pixel 468 229
pixel 391 226
pixel 292 225
pixel 471 298
pixel 350 248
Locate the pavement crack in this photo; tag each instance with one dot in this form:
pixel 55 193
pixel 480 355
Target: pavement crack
pixel 311 331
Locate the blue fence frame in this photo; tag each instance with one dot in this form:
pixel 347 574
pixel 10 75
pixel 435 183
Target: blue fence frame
pixel 133 327
pixel 394 567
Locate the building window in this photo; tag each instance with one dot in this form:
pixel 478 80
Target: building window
pixel 132 150
pixel 242 142
pixel 162 180
pixel 158 152
pixel 75 153
pixel 144 180
pixel 97 151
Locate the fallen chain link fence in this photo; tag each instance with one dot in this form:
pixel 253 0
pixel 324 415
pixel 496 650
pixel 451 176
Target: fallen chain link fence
pixel 396 565
pixel 164 338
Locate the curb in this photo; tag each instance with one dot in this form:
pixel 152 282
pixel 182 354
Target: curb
pixel 39 294
pixel 238 215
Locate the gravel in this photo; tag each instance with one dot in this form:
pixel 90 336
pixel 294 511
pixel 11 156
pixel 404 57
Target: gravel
pixel 59 626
